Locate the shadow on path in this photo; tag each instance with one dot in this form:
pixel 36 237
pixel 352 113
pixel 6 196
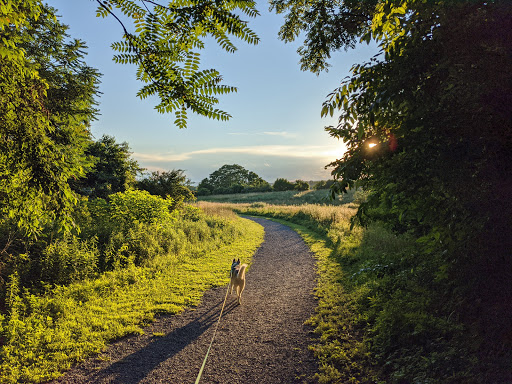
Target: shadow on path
pixel 133 368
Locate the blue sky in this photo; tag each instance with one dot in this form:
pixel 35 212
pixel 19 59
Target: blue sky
pixel 276 129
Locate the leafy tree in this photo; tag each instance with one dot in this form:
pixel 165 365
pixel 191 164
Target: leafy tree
pixel 232 179
pixel 283 185
pixel 171 183
pixel 326 26
pixel 434 104
pixel 114 169
pixel 301 185
pixel 323 184
pixel 204 188
pixel 46 105
pixel 165 45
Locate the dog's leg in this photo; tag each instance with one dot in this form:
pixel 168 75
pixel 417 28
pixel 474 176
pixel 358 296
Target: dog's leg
pixel 239 293
pixel 242 286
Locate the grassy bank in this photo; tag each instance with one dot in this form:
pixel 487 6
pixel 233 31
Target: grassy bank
pixel 45 334
pixel 385 314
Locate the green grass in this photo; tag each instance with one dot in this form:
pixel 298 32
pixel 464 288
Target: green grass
pixel 282 198
pixel 48 334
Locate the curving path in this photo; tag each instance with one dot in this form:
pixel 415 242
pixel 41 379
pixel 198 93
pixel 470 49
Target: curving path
pixel 263 341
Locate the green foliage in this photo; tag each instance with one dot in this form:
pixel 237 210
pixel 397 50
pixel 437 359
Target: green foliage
pixel 14 16
pixel 323 184
pixel 45 334
pixel 431 104
pixel 301 185
pixel 168 183
pixel 232 179
pixel 139 206
pixel 165 48
pixel 326 26
pixel 319 197
pixel 114 170
pixel 123 226
pixel 68 261
pixel 282 184
pixel 42 139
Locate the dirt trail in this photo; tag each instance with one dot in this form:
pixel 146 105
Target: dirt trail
pixel 262 341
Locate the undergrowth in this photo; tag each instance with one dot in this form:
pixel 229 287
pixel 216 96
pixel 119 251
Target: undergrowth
pixel 138 270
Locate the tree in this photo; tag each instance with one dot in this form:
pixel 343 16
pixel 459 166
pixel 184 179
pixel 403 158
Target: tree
pixel 283 185
pixel 232 179
pixel 114 169
pixel 301 185
pixel 46 105
pixel 434 106
pixel 323 184
pixel 204 188
pixel 168 183
pixel 327 26
pixel 165 47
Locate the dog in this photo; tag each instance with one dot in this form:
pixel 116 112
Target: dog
pixel 238 278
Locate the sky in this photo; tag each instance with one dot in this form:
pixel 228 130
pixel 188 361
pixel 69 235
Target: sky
pixel 275 131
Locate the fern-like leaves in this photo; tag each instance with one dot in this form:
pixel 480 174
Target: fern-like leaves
pixel 164 44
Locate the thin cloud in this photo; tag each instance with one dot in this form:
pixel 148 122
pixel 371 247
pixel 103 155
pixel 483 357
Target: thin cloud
pixel 266 133
pixel 290 151
pixel 282 133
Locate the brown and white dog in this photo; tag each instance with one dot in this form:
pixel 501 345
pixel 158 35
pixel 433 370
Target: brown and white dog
pixel 238 278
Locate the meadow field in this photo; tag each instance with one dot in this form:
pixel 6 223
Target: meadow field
pixel 320 197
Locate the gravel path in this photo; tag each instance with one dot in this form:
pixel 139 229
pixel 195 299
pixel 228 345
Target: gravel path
pixel 262 341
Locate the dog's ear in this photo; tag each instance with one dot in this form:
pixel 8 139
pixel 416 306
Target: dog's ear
pixel 233 260
pixel 238 260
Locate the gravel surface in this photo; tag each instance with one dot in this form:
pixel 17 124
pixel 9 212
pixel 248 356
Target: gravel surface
pixel 262 341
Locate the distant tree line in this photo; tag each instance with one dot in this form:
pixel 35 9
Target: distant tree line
pixel 234 178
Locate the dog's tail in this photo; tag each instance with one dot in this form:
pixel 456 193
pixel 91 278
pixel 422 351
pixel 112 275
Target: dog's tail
pixel 241 271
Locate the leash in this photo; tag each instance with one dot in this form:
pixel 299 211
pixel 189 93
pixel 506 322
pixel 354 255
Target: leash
pixel 214 333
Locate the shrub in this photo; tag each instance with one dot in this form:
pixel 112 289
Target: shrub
pixel 69 260
pixel 127 208
pixel 283 185
pixel 301 185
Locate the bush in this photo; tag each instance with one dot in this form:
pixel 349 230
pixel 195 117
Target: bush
pixel 69 260
pixel 283 185
pixel 127 208
pixel 322 184
pixel 301 185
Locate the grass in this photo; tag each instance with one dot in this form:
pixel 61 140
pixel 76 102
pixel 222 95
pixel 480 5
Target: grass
pixel 48 334
pixel 283 198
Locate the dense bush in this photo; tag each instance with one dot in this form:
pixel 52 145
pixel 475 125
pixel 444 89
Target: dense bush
pixel 301 185
pixel 283 185
pixel 173 184
pixel 323 184
pixel 69 260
